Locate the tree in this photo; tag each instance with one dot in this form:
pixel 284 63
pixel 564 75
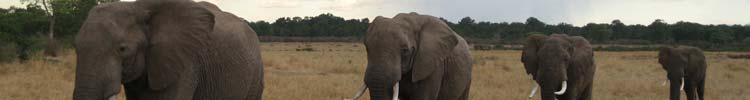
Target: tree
pixel 533 24
pixel 659 31
pixel 20 27
pixel 465 26
pixel 51 49
pixel 597 33
pixel 682 31
pixel 619 30
pixel 447 22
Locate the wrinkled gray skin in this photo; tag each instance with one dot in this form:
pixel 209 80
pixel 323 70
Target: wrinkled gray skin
pixel 167 50
pixel 428 59
pixel 557 58
pixel 686 63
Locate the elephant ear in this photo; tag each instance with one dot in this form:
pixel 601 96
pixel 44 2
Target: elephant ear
pixel 435 44
pixel 175 27
pixel 529 56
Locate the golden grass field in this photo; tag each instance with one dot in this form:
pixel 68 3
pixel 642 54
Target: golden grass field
pixel 334 71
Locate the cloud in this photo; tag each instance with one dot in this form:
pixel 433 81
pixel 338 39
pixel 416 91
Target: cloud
pixel 348 4
pixel 281 3
pixel 576 12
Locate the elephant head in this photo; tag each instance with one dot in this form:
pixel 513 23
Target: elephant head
pixel 674 61
pixel 546 59
pixel 409 46
pixel 117 40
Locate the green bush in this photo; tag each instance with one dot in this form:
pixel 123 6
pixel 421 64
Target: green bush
pixel 7 52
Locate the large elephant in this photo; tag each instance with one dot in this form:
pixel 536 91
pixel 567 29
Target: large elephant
pixel 167 50
pixel 415 57
pixel 562 65
pixel 686 67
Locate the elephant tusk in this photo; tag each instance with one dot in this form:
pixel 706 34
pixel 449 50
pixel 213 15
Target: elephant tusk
pixel 664 83
pixel 531 76
pixel 359 93
pixel 564 87
pixel 113 97
pixel 395 91
pixel 683 84
pixel 533 90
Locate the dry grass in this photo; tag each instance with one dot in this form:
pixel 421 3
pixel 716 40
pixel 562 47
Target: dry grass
pixel 335 71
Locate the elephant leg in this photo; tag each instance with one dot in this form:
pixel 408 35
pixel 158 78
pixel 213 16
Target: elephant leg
pixel 690 89
pixel 428 88
pixel 456 80
pixel 700 87
pixel 586 95
pixel 407 88
pixel 571 94
pixel 465 95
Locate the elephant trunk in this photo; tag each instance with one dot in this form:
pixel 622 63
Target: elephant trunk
pixel 383 91
pixel 380 94
pixel 381 78
pixel 552 88
pixel 675 88
pixel 96 79
pixel 89 87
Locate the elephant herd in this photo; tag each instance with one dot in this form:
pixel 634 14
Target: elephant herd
pixel 181 50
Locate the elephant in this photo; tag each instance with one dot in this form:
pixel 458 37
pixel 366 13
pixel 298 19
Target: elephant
pixel 562 65
pixel 166 50
pixel 415 57
pixel 686 68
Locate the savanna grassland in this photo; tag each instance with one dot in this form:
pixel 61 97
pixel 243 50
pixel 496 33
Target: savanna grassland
pixel 333 71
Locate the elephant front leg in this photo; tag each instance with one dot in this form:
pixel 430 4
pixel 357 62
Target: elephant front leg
pixel 428 88
pixel 586 95
pixel 689 88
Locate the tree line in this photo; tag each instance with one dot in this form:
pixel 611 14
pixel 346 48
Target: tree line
pixel 328 25
pixel 28 29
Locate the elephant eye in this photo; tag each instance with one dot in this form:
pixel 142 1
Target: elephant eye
pixel 407 50
pixel 122 48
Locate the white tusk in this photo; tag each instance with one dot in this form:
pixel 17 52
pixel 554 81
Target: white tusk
pixel 533 90
pixel 359 93
pixel 113 97
pixel 683 84
pixel 531 76
pixel 665 82
pixel 564 87
pixel 395 91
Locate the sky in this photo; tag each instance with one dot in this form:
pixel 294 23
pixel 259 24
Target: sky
pixel 576 12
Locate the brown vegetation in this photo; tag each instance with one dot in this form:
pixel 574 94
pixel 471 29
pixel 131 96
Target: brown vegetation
pixel 335 70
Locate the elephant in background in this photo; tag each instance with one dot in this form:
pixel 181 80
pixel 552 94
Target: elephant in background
pixel 415 57
pixel 562 65
pixel 686 68
pixel 167 50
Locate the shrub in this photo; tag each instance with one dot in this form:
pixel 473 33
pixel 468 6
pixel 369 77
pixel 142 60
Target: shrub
pixel 7 52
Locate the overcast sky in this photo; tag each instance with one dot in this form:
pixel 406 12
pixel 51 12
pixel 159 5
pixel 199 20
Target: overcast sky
pixel 577 12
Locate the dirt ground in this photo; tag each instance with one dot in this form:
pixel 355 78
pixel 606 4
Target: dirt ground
pixel 333 71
